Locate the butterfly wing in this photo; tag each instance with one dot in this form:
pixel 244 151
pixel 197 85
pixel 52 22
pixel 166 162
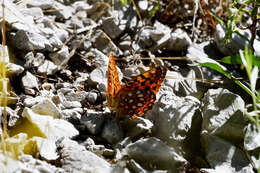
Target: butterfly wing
pixel 138 95
pixel 113 83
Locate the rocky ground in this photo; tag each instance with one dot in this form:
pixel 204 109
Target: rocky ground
pixel 56 64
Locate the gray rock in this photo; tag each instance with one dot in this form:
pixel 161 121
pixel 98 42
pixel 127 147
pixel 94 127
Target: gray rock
pixel 63 85
pixel 173 119
pixel 160 36
pixel 92 121
pixel 79 96
pixel 29 91
pixel 82 79
pixel 222 154
pixel 223 112
pixel 32 61
pixel 152 153
pixel 134 166
pixel 125 44
pixel 137 127
pixel 13 69
pixel 11 114
pixel 103 43
pixel 92 97
pixel 113 27
pixel 203 53
pixel 66 103
pixel 251 143
pixel 90 146
pixel 47 107
pixel 30 101
pixel 29 81
pixel 77 159
pixel 30 164
pixel 59 56
pixel 34 12
pixel 143 5
pixel 30 41
pixel 236 42
pixel 73 114
pixel 81 6
pixel 252 137
pixel 43 4
pixel 100 59
pixel 99 76
pixel 112 132
pixel 47 86
pixel 47 67
pixel 62 11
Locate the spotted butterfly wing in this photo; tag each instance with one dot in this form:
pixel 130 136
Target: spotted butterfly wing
pixel 138 95
pixel 113 83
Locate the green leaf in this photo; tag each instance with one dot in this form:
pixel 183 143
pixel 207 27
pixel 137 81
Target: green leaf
pixel 124 2
pixel 237 60
pixel 220 69
pixel 231 60
pixel 254 12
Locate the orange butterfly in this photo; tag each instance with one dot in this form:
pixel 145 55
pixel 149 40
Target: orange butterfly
pixel 138 95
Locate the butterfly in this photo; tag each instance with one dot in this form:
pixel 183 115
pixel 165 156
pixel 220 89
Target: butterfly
pixel 138 95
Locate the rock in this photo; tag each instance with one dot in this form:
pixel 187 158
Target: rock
pixel 161 37
pixel 223 111
pixel 90 145
pixel 59 56
pixel 99 76
pixel 46 126
pixel 34 12
pixel 112 132
pixel 92 121
pixel 48 86
pixel 251 143
pixel 30 41
pixel 252 137
pixel 62 12
pixel 30 164
pixel 75 157
pixel 103 43
pixel 30 101
pixel 137 127
pixel 72 114
pixel 173 117
pixel 9 164
pixel 29 81
pixel 47 67
pixel 202 53
pixel 11 114
pixel 113 27
pixel 134 166
pixel 79 96
pixel 92 97
pixel 184 87
pixel 143 5
pixel 66 103
pixel 32 61
pixel 29 91
pixel 152 153
pixel 235 43
pixel 13 69
pixel 43 4
pixel 220 153
pixel 46 107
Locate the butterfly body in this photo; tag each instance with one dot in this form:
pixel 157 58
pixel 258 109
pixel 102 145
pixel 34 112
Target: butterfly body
pixel 138 95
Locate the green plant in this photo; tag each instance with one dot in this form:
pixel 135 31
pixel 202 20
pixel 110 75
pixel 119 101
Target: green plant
pixel 240 12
